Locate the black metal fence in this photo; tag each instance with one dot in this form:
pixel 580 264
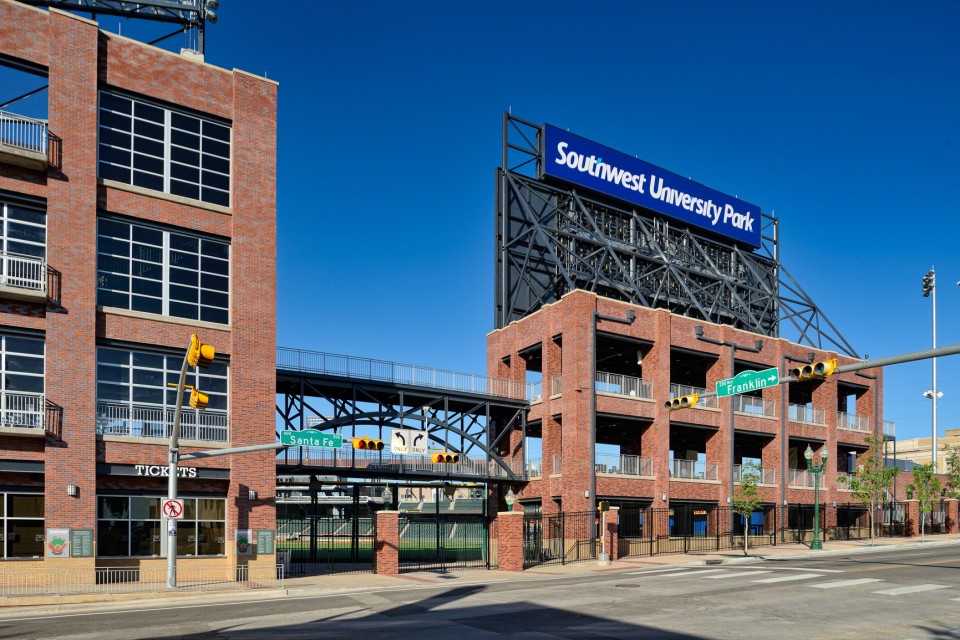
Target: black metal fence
pixel 441 542
pixel 647 531
pixel 325 544
pixel 559 538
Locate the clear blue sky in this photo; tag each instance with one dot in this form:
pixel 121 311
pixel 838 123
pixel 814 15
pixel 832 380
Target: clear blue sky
pixel 839 117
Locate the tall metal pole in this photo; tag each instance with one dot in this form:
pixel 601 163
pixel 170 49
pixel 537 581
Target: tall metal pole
pixel 174 454
pixel 593 415
pixel 933 441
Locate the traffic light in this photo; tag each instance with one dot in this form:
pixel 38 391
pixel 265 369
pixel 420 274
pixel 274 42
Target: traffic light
pixel 444 457
pixel 198 399
pixel 370 444
pixel 200 355
pixel 682 402
pixel 814 370
pixel 603 505
pixel 929 282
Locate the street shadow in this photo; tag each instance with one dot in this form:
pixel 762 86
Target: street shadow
pixel 434 617
pixel 939 631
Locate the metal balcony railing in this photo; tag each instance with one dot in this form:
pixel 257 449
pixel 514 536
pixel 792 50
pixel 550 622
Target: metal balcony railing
pixel 535 391
pixel 557 467
pixel 853 422
pixel 157 422
pixel 752 405
pixel 556 385
pixel 621 385
pixel 534 468
pixel 767 475
pixel 24 133
pixel 624 465
pixel 889 429
pixel 381 370
pixel 693 470
pixel 23 272
pixel 800 478
pixel 22 410
pixel 843 481
pixel 711 402
pixel 805 414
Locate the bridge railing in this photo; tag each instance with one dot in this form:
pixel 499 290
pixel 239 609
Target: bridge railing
pixel 382 370
pixel 382 461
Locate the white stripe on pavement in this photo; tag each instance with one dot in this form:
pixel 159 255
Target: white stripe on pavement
pixel 776 568
pixel 737 574
pixel 798 576
pixel 643 573
pixel 687 573
pixel 914 589
pixel 843 583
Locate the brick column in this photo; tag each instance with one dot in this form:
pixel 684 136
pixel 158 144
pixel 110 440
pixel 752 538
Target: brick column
pixel 911 525
pixel 386 543
pixel 510 541
pixel 950 508
pixel 610 533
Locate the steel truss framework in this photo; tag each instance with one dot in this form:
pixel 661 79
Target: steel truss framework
pixel 472 425
pixel 552 239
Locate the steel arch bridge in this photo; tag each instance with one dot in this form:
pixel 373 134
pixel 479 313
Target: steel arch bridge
pixel 483 419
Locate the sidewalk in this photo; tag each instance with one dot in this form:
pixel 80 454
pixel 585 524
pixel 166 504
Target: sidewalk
pixel 343 584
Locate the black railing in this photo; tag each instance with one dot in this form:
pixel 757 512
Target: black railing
pixel 558 538
pixel 441 542
pixel 324 544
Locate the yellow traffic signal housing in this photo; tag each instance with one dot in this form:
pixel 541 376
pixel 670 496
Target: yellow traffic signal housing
pixel 444 457
pixel 818 370
pixel 200 355
pixel 603 505
pixel 682 402
pixel 369 444
pixel 198 399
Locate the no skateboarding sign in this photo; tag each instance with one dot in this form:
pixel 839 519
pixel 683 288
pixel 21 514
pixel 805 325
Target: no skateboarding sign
pixel 172 509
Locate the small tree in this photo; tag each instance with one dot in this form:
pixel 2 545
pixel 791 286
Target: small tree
pixel 871 484
pixel 925 490
pixel 953 471
pixel 747 499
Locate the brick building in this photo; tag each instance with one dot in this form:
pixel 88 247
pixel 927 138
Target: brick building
pixel 650 456
pixel 143 211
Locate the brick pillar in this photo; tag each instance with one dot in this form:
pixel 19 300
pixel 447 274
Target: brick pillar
pixel 911 525
pixel 610 533
pixel 510 541
pixel 387 543
pixel 950 508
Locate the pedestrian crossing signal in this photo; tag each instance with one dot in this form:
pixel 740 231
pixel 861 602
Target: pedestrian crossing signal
pixel 369 444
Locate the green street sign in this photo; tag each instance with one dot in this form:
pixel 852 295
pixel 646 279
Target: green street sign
pixel 748 381
pixel 311 438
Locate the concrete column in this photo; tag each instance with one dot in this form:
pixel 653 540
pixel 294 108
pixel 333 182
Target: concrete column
pixel 510 541
pixel 387 543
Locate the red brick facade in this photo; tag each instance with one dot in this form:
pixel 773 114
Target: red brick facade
pixel 510 541
pixel 563 333
pixel 80 61
pixel 387 543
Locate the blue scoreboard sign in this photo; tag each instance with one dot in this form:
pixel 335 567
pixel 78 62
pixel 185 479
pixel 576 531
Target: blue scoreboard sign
pixel 569 157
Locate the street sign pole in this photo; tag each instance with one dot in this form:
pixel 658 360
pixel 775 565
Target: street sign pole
pixel 174 455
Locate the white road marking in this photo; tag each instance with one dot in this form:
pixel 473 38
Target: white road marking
pixel 737 574
pixel 843 583
pixel 694 572
pixel 914 589
pixel 643 573
pixel 798 576
pixel 776 568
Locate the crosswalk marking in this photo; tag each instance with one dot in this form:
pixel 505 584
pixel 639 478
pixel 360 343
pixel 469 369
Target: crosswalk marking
pixel 914 589
pixel 737 574
pixel 843 583
pixel 687 573
pixel 643 573
pixel 798 576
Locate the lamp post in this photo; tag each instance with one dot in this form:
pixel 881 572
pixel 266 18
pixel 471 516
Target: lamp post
pixel 817 469
pixel 510 499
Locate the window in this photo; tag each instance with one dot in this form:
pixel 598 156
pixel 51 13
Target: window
pixel 21 525
pixel 157 148
pixel 130 526
pixel 21 381
pixel 150 269
pixel 133 398
pixel 23 246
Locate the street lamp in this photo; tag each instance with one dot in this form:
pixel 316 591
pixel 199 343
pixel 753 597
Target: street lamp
pixel 817 469
pixel 510 499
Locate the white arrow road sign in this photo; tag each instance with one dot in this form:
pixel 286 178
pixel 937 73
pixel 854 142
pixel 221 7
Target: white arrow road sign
pixel 408 441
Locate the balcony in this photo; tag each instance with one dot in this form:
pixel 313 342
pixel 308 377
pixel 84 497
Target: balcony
pixel 135 421
pixel 535 392
pixel 23 277
pixel 625 386
pixel 611 464
pixel 853 422
pixel 534 469
pixel 677 390
pixel 23 411
pixel 753 406
pixel 800 478
pixel 843 481
pixel 556 385
pixel 693 470
pixel 23 141
pixel 768 476
pixel 806 415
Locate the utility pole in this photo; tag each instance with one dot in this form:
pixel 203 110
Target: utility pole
pixel 930 287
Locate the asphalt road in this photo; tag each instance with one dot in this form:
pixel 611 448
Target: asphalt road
pixel 896 594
